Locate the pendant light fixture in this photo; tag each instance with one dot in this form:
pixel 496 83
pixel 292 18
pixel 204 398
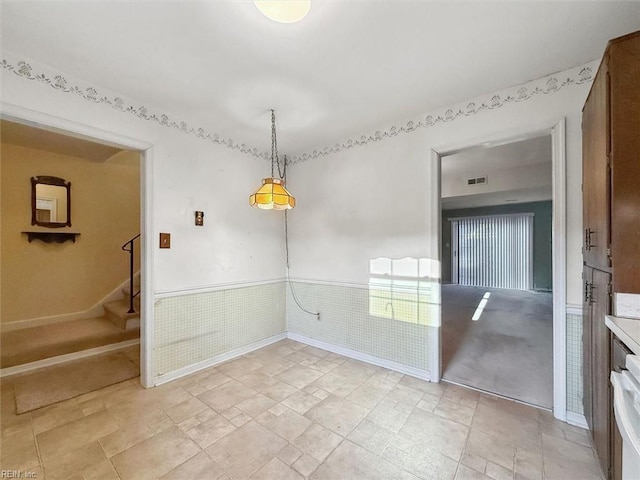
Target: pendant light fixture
pixel 273 195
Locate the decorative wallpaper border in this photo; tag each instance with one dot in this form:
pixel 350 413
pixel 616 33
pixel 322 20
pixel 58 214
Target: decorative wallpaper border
pixel 544 86
pixel 57 81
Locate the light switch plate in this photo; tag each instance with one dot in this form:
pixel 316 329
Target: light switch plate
pixel 165 240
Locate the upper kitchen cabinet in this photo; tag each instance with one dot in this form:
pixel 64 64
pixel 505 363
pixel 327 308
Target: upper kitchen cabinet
pixel 611 166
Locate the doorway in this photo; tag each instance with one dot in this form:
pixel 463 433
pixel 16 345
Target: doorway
pixel 498 266
pixel 142 151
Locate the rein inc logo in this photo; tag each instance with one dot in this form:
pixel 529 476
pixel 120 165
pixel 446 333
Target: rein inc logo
pixel 17 474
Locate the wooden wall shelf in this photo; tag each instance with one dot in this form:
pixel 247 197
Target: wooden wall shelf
pixel 52 237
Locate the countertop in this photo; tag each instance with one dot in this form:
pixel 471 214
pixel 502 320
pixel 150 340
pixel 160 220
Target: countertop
pixel 627 330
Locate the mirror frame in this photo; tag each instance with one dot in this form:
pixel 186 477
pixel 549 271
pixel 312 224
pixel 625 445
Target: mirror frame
pixel 55 181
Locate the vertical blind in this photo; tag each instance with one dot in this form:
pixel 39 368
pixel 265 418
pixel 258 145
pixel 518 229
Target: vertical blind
pixel 494 251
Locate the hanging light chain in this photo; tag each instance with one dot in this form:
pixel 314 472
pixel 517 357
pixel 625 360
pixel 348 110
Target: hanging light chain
pixel 274 151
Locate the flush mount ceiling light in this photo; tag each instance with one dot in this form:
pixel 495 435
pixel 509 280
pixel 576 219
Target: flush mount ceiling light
pixel 272 195
pixel 284 11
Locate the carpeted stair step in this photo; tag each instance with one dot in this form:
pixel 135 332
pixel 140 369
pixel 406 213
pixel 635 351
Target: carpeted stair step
pixel 117 312
pixel 37 343
pixel 136 299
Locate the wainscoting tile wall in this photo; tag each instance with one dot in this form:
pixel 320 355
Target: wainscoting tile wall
pixel 574 364
pixel 345 322
pixel 197 327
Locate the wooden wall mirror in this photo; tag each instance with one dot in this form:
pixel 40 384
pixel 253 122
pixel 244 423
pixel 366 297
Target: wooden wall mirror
pixel 50 202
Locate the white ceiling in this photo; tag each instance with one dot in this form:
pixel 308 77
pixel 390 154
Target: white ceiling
pixel 490 158
pixel 26 136
pixel 350 67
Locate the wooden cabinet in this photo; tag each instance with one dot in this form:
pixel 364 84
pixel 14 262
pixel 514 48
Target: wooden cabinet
pixel 611 221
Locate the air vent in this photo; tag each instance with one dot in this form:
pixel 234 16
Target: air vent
pixel 477 181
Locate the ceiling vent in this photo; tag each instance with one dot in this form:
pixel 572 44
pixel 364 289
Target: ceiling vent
pixel 477 181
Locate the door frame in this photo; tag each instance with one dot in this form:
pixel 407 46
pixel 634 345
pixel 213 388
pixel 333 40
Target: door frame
pixel 45 121
pixel 557 130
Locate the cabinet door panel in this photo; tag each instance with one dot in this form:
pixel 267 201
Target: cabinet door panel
pixel 601 368
pixel 596 173
pixel 587 279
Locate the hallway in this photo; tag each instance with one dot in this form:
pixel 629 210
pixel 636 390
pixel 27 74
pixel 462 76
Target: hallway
pixel 508 350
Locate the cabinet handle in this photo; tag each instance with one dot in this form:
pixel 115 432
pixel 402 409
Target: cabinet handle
pixel 587 238
pixel 588 293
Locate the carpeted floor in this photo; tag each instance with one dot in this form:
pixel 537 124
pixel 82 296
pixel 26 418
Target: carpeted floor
pixel 50 385
pixel 508 351
pixel 32 344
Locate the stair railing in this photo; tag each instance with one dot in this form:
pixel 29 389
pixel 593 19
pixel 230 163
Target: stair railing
pixel 130 247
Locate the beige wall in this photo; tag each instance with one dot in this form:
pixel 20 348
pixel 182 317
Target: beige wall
pixel 41 280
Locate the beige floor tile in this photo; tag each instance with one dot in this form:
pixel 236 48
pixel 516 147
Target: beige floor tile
pixel 101 471
pixel 256 405
pixel 180 412
pixel 125 437
pixel 466 473
pixel 317 441
pixel 279 391
pixel 306 465
pixel 559 453
pixel 301 401
pixel 350 461
pixel 461 395
pixel 458 412
pixel 198 467
pixel 476 462
pixel 426 463
pixel 210 431
pixel 518 430
pixel 330 382
pixel 370 392
pixel 81 461
pixel 439 434
pixel 528 464
pixel 337 414
pixel 19 451
pixel 406 395
pixel 498 472
pixel 433 389
pixel 238 368
pixel 214 380
pixel 512 407
pixel 46 419
pixel 428 403
pixel 257 378
pixel 73 435
pixel 289 425
pixel 315 351
pixel 227 395
pixel 276 469
pixel 232 454
pixel 290 454
pixel 372 437
pixel 491 448
pixel 155 456
pixel 388 417
pixel 298 376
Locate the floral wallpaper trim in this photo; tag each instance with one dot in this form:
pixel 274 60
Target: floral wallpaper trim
pixel 544 86
pixel 58 82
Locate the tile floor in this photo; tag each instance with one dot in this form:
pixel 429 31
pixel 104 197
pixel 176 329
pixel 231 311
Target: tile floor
pixel 290 411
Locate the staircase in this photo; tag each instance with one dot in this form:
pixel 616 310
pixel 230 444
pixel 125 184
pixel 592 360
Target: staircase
pixel 117 311
pixel 125 312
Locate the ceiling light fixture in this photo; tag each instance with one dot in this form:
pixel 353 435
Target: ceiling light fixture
pixel 284 11
pixel 272 195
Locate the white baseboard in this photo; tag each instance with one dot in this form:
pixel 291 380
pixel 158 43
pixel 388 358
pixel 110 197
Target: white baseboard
pixel 210 362
pixel 69 357
pixel 347 352
pixel 96 310
pixel 577 420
